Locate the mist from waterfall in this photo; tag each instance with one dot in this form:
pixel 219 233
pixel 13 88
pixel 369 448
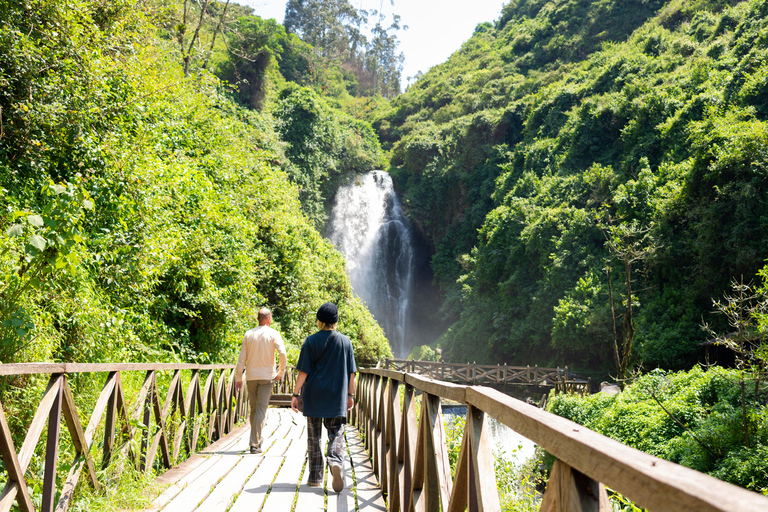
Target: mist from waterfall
pixel 370 229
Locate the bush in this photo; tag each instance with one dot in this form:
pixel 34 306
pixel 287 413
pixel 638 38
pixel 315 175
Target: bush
pixel 708 404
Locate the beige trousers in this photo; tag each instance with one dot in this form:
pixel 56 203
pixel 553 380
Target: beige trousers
pixel 259 393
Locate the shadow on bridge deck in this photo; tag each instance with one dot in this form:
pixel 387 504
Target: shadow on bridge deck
pixel 227 477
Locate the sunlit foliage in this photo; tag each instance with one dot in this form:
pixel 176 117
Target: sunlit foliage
pixel 570 138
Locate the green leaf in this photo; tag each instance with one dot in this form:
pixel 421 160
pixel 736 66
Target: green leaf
pixel 36 220
pixel 88 205
pixel 37 242
pixel 21 332
pixel 15 230
pixel 59 189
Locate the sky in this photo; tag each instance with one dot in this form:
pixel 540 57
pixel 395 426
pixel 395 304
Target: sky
pixel 436 28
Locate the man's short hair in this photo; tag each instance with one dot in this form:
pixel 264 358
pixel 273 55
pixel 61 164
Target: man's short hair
pixel 264 313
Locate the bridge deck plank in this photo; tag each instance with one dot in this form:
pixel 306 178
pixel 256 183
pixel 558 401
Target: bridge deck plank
pixel 255 490
pixel 230 478
pixel 368 493
pixel 223 495
pixel 283 491
pixel 191 496
pixel 311 499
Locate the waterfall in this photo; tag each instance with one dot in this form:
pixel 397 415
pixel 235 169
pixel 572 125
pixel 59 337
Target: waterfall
pixel 370 229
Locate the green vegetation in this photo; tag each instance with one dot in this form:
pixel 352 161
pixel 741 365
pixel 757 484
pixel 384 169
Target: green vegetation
pixel 325 147
pixel 591 175
pixel 146 215
pixel 710 424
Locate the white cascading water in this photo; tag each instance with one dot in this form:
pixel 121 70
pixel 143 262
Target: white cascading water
pixel 370 229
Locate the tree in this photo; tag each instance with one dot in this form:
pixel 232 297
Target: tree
pixel 629 245
pixel 331 26
pixel 746 311
pixel 383 59
pixel 335 29
pixel 254 49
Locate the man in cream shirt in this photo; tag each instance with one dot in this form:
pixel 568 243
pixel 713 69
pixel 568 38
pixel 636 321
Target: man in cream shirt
pixel 257 357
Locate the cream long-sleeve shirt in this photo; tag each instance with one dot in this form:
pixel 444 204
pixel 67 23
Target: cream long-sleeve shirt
pixel 257 354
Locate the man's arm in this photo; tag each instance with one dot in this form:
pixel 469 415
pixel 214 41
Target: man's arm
pixel 283 364
pixel 351 392
pixel 280 347
pixel 240 367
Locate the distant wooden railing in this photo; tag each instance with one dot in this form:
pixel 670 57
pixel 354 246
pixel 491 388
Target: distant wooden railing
pixel 210 402
pixel 494 375
pixel 576 387
pixel 410 458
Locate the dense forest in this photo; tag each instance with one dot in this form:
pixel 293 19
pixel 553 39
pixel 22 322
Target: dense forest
pixel 591 177
pixel 148 212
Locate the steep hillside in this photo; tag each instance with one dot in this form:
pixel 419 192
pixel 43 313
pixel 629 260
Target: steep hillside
pixel 582 156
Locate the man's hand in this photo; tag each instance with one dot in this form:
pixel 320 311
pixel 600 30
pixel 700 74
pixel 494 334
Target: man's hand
pixel 350 402
pixel 238 385
pixel 295 404
pixel 279 376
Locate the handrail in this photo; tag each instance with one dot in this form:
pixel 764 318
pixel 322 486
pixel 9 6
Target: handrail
pixel 411 460
pixel 172 427
pixel 480 373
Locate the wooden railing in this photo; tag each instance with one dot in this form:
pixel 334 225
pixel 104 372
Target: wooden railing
pixel 175 426
pixel 410 457
pixel 576 387
pixel 494 375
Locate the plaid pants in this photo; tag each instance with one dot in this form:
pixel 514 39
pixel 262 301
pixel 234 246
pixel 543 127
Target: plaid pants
pixel 335 454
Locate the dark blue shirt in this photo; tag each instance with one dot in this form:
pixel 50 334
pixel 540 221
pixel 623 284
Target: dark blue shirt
pixel 327 368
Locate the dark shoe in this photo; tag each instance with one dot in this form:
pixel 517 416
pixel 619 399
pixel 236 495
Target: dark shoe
pixel 255 449
pixel 314 484
pixel 338 480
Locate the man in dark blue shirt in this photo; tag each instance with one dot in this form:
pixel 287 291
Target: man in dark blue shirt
pixel 327 371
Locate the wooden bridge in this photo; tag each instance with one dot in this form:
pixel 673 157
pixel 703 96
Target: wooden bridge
pixel 498 376
pixel 397 460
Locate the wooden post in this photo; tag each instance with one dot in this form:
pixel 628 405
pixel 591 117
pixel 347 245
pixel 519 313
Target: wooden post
pixel 109 423
pixel 505 376
pixel 407 448
pixel 432 486
pixel 393 435
pixel 571 491
pixel 52 449
pixel 146 420
pixel 381 425
pixel 15 472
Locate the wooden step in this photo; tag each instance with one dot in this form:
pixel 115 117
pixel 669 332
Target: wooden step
pixel 280 400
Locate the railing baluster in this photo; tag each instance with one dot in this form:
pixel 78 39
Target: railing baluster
pixel 193 404
pixel 17 484
pixel 407 448
pixel 382 435
pixel 209 405
pixel 483 495
pixel 393 434
pixel 144 410
pixel 81 442
pixel 110 386
pixel 52 448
